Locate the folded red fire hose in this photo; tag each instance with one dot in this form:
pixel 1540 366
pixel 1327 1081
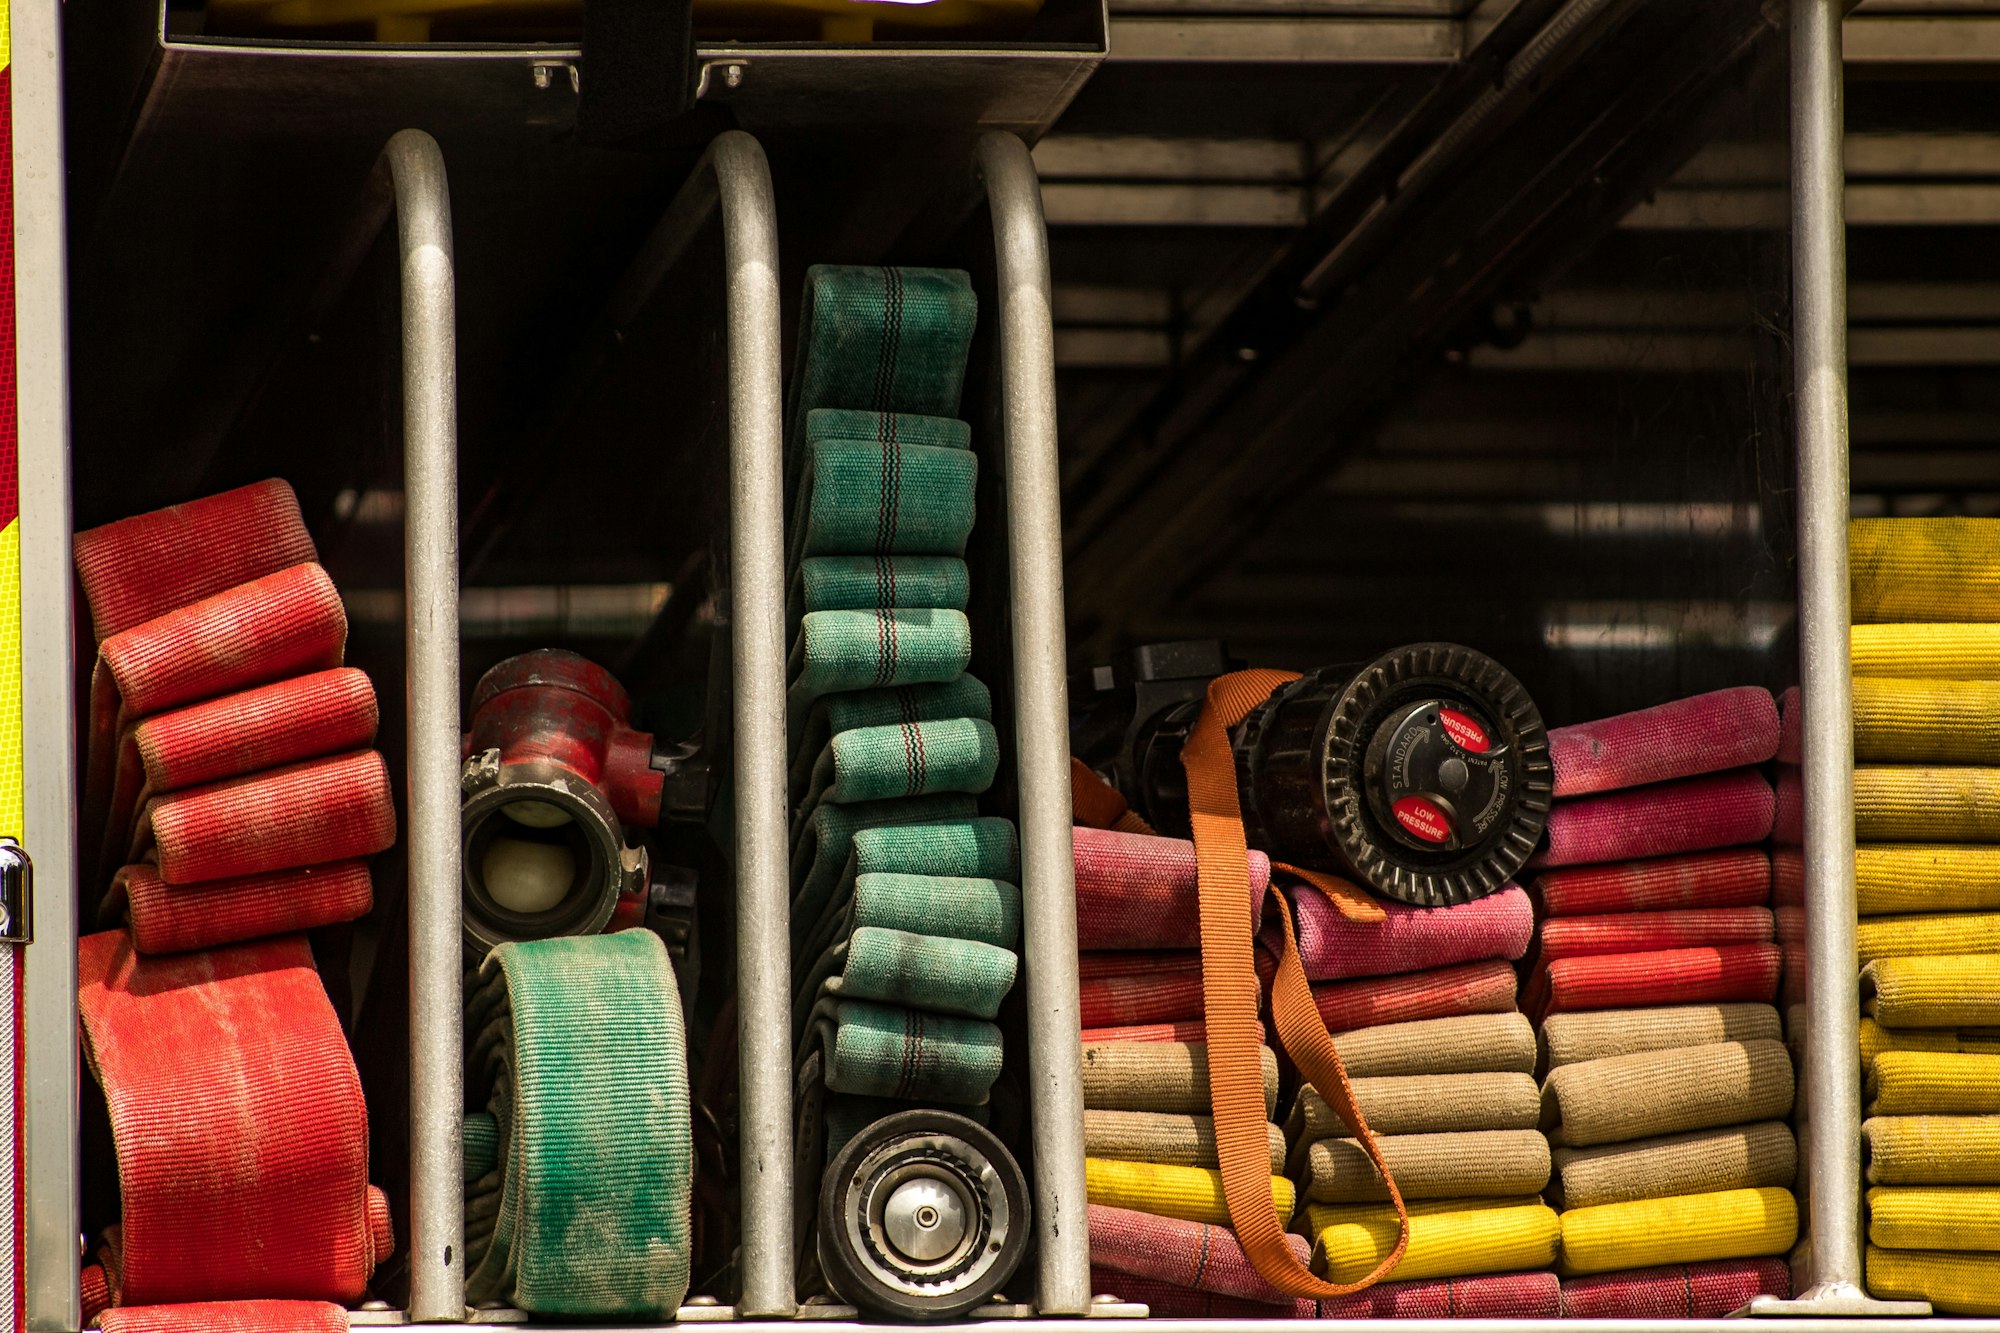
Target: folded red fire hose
pixel 284 624
pixel 1705 734
pixel 171 918
pixel 225 777
pixel 1684 1291
pixel 1720 810
pixel 1122 989
pixel 300 815
pixel 1485 987
pixel 1196 1255
pixel 326 712
pixel 1738 877
pixel 1729 973
pixel 1136 891
pixel 142 567
pixel 224 733
pixel 241 1136
pixel 1643 932
pixel 227 1317
pixel 1334 946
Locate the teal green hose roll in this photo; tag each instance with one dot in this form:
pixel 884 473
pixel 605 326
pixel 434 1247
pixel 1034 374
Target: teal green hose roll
pixel 960 906
pixel 906 915
pixel 481 1144
pixel 942 910
pixel 865 582
pixel 952 885
pixel 883 482
pixel 880 1050
pixel 842 425
pixel 825 839
pixel 964 697
pixel 934 972
pixel 883 340
pixel 867 650
pixel 954 754
pixel 578 1045
pixel 860 502
pixel 984 848
pixel 947 976
pixel 940 856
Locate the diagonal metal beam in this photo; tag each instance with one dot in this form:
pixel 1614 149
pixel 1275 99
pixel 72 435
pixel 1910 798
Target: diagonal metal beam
pixel 1246 429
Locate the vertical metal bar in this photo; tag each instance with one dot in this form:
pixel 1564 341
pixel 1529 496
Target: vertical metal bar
pixel 430 583
pixel 1041 704
pixel 48 757
pixel 757 654
pixel 1832 1083
pixel 1819 350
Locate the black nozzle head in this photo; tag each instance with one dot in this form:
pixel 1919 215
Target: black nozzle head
pixel 1424 775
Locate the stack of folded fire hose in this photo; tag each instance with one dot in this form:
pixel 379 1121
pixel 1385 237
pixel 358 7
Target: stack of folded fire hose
pixel 906 917
pixel 225 776
pixel 1451 1096
pixel 1647 805
pixel 228 785
pixel 1925 601
pixel 1667 1084
pixel 1159 1228
pixel 1171 1247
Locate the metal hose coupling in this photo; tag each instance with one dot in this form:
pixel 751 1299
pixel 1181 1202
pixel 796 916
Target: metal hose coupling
pixel 553 773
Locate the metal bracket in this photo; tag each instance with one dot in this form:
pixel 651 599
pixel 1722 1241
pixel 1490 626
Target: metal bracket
pixel 687 787
pixel 17 894
pixel 731 72
pixel 1110 1307
pixel 1833 1300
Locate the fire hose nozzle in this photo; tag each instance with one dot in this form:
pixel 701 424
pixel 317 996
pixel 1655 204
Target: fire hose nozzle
pixel 553 771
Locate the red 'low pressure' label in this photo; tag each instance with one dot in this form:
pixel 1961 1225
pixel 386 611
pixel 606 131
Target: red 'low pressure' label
pixel 1422 819
pixel 1469 734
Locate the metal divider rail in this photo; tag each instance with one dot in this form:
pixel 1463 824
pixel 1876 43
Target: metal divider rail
pixel 413 166
pixel 1831 1132
pixel 1029 458
pixel 47 1060
pixel 409 181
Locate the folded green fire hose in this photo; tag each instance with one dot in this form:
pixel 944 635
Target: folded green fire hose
pixel 579 1176
pixel 963 698
pixel 900 876
pixel 824 841
pixel 906 917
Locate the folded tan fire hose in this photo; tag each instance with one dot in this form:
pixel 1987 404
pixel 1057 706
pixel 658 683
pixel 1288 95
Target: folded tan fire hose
pixel 1231 990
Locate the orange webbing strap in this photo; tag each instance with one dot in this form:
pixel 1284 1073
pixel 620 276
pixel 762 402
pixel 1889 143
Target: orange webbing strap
pixel 1350 902
pixel 1230 994
pixel 1095 803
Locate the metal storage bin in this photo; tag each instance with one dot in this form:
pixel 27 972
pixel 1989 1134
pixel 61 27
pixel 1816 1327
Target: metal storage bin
pixel 184 87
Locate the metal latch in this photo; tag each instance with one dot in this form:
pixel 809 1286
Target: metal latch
pixel 17 894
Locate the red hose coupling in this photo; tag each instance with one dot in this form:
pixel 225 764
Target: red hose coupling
pixel 553 771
